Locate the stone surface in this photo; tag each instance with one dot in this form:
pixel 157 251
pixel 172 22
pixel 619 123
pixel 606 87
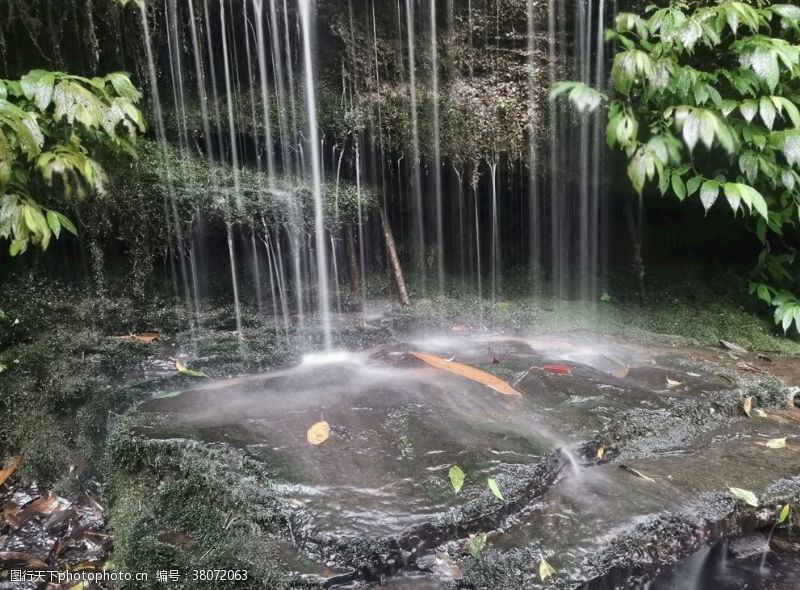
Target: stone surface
pixel 374 500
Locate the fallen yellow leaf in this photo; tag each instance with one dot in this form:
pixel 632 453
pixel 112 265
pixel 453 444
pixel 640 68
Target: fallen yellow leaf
pixel 546 570
pixel 673 383
pixel 468 372
pixel 601 450
pixel 319 433
pixel 747 405
pixel 775 443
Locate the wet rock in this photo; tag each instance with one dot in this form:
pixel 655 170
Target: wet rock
pixel 398 428
pixel 748 546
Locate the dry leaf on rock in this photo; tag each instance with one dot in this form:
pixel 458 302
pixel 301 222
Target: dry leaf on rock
pixel 774 443
pixel 467 372
pixel 545 570
pixel 143 337
pixel 636 472
pixel 319 433
pixel 733 347
pixel 558 369
pixel 747 405
pixel 621 373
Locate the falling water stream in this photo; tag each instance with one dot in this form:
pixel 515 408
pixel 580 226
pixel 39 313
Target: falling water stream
pixel 452 216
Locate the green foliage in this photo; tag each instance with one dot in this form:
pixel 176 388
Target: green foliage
pixel 477 544
pixel 495 489
pixel 706 105
pixel 456 477
pixel 745 496
pixel 50 125
pixel 785 511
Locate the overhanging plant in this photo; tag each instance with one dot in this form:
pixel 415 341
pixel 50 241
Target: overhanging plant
pixel 705 105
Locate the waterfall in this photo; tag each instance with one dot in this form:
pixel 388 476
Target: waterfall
pixel 316 174
pixel 437 152
pixel 468 210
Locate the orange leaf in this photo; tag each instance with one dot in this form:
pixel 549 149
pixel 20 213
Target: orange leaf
pixel 9 471
pixel 468 372
pixel 622 373
pixel 558 369
pixel 144 337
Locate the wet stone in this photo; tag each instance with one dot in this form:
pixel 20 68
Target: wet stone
pixel 373 501
pixel 749 546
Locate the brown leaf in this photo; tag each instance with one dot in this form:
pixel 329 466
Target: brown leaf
pixel 636 472
pixel 468 372
pixel 318 433
pixel 557 368
pixel 178 539
pixel 12 513
pixel 733 347
pixel 749 367
pixel 19 559
pixel 44 505
pixel 747 405
pixel 144 337
pixel 10 469
pixel 621 373
pixel 673 383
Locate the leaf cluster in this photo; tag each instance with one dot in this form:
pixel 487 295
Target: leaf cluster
pixel 51 125
pixel 705 106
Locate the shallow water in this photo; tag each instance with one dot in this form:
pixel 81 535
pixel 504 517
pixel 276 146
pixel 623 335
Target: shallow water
pixel 397 425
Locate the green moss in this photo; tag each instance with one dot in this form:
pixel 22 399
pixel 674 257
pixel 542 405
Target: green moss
pixel 683 309
pixel 172 505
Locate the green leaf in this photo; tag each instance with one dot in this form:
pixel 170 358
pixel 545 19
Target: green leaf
pixel 495 489
pixel 38 87
pixel 693 184
pixel 732 194
pixel 456 477
pixel 121 82
pixel 750 196
pixel 784 514
pixel 477 544
pixel 192 373
pixel 66 223
pixel 746 496
pixel 767 111
pixel 637 170
pixel 787 11
pixel 786 106
pixel 678 187
pixel 54 223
